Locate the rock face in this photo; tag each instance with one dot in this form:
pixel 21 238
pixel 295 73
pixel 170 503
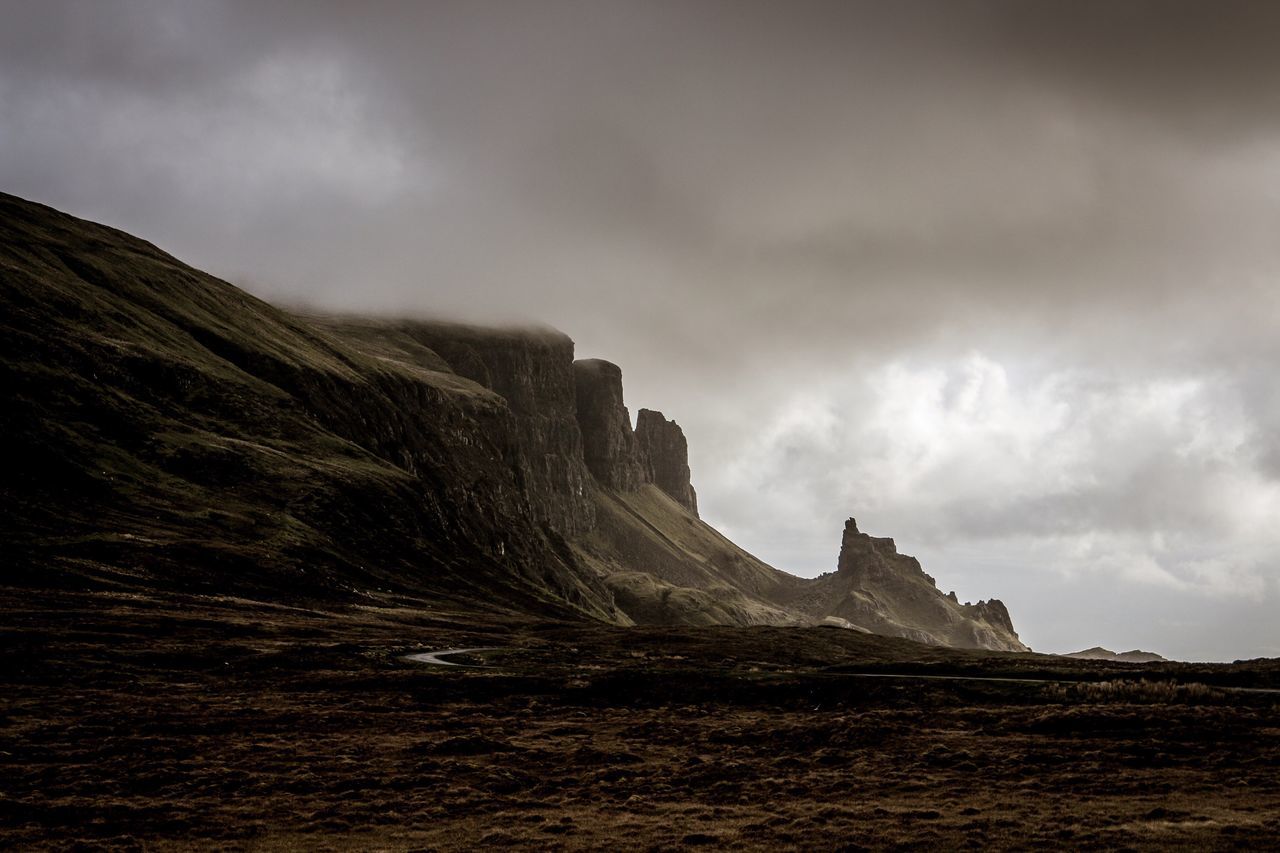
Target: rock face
pixel 532 369
pixel 876 588
pixel 664 455
pixel 608 444
pixel 661 562
pixel 993 612
pixel 618 457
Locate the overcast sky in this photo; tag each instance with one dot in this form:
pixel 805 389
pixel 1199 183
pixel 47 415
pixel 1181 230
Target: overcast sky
pixel 997 278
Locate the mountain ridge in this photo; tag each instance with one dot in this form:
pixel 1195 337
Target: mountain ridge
pixel 174 431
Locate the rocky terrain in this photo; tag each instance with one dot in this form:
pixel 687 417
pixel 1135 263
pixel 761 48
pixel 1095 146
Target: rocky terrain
pixel 172 432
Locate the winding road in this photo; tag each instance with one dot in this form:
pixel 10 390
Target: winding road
pixel 436 657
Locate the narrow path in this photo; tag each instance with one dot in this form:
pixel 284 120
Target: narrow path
pixel 436 657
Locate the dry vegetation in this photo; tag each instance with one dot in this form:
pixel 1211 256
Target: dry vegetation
pixel 1141 690
pixel 130 721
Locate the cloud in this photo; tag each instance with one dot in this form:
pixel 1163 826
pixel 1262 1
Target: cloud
pixel 1150 480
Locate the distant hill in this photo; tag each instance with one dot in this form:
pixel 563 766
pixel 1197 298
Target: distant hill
pixel 1099 653
pixel 166 430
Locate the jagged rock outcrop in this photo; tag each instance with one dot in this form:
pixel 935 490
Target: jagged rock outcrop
pixel 662 563
pixel 664 456
pixel 623 459
pixel 993 612
pixel 665 566
pixel 608 444
pixel 877 588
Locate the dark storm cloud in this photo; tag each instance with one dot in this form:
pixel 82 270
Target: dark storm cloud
pixel 999 274
pixel 1189 65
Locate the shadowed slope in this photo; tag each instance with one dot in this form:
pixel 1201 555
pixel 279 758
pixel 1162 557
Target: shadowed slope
pixel 168 430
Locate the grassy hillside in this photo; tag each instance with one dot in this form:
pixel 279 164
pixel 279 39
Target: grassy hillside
pixel 166 429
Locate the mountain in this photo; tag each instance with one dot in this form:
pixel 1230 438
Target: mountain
pixel 166 430
pixel 169 431
pixel 1099 653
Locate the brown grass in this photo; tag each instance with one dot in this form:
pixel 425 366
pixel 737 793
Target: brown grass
pixel 1140 690
pixel 137 722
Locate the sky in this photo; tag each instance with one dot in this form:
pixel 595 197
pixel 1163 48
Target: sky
pixel 998 279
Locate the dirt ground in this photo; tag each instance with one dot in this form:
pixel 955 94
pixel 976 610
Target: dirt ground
pixel 130 722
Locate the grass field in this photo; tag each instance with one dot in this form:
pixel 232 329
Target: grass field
pixel 131 720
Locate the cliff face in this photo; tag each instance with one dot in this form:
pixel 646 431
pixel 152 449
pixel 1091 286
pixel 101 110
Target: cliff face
pixel 609 446
pixel 532 369
pixel 664 453
pixel 618 457
pixel 662 563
